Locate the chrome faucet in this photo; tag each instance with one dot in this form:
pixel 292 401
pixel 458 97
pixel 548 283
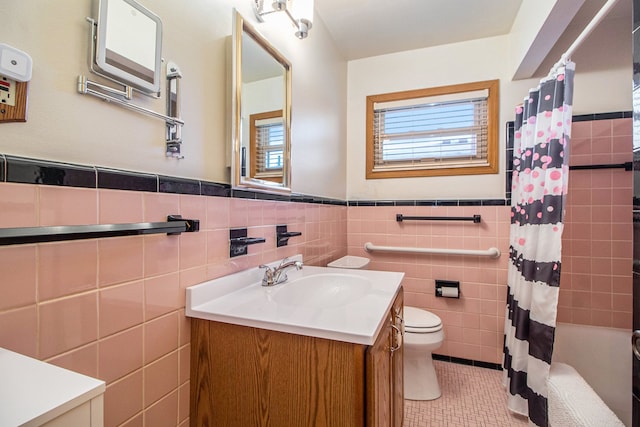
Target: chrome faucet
pixel 273 276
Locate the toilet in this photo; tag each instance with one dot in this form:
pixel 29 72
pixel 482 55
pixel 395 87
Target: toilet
pixel 423 334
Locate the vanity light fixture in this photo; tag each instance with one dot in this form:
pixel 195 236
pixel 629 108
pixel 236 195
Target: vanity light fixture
pixel 300 12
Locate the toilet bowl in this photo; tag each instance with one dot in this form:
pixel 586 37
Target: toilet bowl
pixel 423 334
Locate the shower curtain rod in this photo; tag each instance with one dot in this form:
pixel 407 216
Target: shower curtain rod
pixel 602 13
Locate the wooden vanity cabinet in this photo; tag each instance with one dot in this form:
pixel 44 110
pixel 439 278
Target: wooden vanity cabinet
pixel 385 386
pixel 244 376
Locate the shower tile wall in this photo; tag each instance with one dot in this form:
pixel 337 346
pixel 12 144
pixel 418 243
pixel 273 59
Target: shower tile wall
pixel 596 281
pixel 114 308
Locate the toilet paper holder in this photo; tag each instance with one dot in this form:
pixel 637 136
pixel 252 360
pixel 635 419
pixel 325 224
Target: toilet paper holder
pixel 447 288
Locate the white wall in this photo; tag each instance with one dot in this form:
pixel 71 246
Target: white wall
pixel 66 126
pixel 328 158
pixel 466 62
pixel 536 29
pixel 602 84
pixel 604 69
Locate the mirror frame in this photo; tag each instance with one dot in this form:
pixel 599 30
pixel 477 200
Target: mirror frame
pixel 241 27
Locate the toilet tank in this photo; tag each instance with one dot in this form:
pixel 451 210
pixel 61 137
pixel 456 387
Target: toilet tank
pixel 350 261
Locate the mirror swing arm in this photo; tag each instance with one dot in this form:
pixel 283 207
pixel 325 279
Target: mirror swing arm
pixel 123 97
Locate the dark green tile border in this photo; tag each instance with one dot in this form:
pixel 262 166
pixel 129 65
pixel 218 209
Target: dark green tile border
pixel 119 180
pixel 30 171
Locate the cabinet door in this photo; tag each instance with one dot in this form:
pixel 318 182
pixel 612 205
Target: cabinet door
pixel 242 376
pixel 385 388
pixel 378 361
pixel 397 366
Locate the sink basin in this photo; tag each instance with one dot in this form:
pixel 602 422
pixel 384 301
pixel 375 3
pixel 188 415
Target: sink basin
pixel 319 302
pixel 323 290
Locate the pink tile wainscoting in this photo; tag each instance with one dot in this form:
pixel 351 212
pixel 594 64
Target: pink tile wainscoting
pixel 473 323
pixel 114 308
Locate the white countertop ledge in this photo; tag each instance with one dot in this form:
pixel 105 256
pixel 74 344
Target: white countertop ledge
pixel 34 392
pixel 241 299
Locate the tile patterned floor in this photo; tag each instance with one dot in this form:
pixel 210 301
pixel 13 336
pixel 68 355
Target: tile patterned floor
pixel 471 397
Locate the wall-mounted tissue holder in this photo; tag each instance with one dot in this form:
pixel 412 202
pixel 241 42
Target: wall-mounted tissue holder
pixel 448 288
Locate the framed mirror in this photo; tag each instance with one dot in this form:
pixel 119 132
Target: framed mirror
pixel 261 112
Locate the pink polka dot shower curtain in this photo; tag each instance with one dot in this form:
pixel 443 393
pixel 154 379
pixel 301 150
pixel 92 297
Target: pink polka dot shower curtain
pixel 539 186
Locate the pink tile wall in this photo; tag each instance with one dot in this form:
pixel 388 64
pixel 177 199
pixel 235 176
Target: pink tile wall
pixel 596 281
pixel 114 308
pixel 474 323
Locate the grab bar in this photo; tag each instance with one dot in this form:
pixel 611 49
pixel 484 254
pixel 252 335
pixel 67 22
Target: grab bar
pixel 25 235
pixel 627 166
pixel 476 218
pixel 491 252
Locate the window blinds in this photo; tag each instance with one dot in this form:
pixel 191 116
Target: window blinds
pixel 421 133
pixel 269 146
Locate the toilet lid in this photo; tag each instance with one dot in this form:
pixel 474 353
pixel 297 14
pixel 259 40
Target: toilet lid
pixel 420 321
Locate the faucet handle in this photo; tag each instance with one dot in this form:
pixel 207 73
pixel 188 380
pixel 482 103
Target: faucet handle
pixel 268 271
pixel 267 279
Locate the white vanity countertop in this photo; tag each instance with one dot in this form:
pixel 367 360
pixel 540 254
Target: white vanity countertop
pixel 241 299
pixel 34 392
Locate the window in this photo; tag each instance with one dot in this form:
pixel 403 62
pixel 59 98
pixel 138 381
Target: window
pixel 448 130
pixel 267 145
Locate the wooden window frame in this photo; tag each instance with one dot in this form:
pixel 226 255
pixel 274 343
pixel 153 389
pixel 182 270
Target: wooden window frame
pixel 253 149
pixel 493 111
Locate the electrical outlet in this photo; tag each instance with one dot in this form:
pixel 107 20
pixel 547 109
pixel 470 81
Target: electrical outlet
pixel 7 91
pixel 13 100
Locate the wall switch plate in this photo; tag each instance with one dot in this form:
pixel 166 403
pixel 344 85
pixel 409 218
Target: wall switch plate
pixel 13 100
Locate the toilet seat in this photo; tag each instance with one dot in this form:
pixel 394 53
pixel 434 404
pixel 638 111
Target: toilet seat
pixel 420 321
